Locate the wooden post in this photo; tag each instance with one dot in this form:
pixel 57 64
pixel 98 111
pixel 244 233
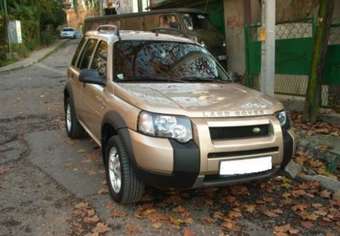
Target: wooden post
pixel 312 104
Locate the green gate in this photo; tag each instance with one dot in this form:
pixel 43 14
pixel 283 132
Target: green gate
pixel 294 47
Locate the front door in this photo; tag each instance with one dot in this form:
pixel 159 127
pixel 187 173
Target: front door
pixel 94 94
pixel 79 87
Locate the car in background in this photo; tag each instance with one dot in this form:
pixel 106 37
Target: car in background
pixel 69 32
pixel 186 22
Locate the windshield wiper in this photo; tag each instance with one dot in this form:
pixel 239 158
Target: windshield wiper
pixel 149 79
pixel 206 80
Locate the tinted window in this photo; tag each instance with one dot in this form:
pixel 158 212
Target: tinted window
pixel 76 54
pixel 168 22
pixel 68 29
pixel 87 53
pixel 196 22
pixel 166 61
pixel 100 59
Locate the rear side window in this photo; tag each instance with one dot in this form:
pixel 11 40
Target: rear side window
pixel 68 29
pixel 168 22
pixel 100 59
pixel 86 54
pixel 76 54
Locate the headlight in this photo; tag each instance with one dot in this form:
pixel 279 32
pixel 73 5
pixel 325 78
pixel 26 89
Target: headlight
pixel 166 126
pixel 224 44
pixel 282 117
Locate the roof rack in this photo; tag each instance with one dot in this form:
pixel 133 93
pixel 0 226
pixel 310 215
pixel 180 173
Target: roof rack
pixel 109 28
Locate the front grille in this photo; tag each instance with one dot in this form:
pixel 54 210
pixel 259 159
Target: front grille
pixel 252 131
pixel 243 153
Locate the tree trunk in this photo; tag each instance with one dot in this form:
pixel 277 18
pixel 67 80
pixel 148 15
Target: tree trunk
pixel 312 104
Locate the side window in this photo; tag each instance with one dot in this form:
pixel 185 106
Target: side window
pixel 86 54
pixel 76 54
pixel 100 59
pixel 168 21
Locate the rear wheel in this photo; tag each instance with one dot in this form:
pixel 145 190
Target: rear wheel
pixel 72 125
pixel 123 183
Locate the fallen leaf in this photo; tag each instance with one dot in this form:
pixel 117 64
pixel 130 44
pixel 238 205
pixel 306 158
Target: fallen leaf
pixel 4 170
pixel 320 212
pixel 188 232
pixel 91 220
pixel 229 225
pixel 270 213
pixel 317 205
pixel 307 224
pixel 103 190
pixel 309 216
pixel 234 213
pixel 325 194
pixel 100 228
pixel 218 215
pixel 250 208
pixel 91 173
pixel 156 225
pixel 109 205
pixel 298 193
pixel 299 207
pixel 117 213
pixel 132 229
pixel 82 205
pixel 91 212
pixel 207 220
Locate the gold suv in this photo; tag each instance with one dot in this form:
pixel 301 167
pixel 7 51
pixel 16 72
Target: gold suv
pixel 166 114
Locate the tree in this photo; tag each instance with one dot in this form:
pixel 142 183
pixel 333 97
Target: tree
pixel 312 104
pixel 92 4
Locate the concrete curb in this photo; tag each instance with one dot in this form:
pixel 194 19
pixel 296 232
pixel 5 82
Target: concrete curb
pixel 34 58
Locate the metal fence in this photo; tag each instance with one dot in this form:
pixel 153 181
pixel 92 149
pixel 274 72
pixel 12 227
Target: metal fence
pixel 294 47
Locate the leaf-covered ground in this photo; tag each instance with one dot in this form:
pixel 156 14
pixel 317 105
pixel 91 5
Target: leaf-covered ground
pixel 280 205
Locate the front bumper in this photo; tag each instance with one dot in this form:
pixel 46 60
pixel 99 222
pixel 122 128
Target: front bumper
pixel 166 163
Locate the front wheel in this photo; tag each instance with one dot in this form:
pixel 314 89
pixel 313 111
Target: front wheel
pixel 123 183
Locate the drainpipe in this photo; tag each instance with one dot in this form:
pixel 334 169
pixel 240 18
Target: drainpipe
pixel 140 6
pixel 101 7
pixel 268 47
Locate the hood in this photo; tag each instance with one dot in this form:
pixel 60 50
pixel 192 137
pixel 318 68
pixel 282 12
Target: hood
pixel 197 99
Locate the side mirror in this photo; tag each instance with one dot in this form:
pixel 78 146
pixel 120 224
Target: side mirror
pixel 91 76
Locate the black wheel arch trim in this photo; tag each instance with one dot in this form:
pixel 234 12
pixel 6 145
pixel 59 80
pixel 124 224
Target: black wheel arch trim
pixel 116 121
pixel 288 147
pixel 69 91
pixel 186 158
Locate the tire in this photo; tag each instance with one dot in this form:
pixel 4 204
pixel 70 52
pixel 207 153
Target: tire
pixel 131 188
pixel 73 128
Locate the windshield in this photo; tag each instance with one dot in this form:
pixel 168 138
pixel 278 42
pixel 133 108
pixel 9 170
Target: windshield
pixel 68 29
pixel 139 61
pixel 196 21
